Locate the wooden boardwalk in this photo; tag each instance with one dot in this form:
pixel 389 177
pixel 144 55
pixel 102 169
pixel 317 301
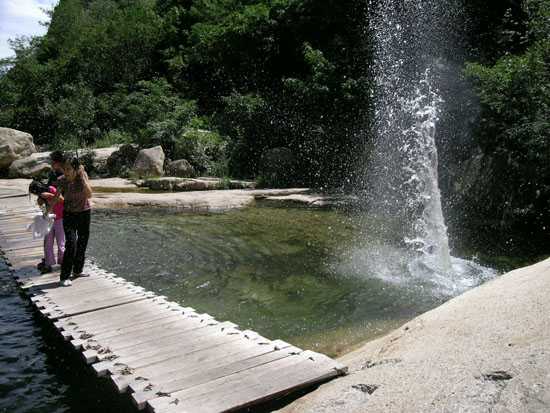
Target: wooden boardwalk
pixel 170 358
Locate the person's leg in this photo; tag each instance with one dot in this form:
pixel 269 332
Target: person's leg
pixel 69 225
pixel 60 238
pixel 83 231
pixel 49 257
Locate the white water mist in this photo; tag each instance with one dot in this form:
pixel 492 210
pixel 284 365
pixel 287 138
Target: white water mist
pixel 404 176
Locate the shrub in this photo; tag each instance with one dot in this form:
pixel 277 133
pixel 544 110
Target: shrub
pixel 202 148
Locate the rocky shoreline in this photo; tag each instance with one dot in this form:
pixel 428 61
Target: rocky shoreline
pixel 487 350
pixel 113 193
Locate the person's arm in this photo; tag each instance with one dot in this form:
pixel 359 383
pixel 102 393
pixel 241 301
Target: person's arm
pixel 58 197
pixel 85 183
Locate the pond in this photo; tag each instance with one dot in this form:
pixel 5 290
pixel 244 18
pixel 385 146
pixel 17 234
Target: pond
pixel 289 273
pixel 319 279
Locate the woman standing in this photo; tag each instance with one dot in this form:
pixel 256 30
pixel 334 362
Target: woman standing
pixel 76 191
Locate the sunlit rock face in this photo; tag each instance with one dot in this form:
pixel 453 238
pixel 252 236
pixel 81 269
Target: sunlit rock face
pixel 14 145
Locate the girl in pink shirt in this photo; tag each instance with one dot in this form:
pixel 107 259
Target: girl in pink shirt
pixel 55 206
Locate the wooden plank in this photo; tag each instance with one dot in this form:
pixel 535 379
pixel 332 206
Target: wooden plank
pixel 55 314
pixel 110 315
pixel 143 354
pixel 250 386
pixel 212 373
pixel 128 325
pixel 128 320
pixel 133 346
pixel 114 366
pixel 72 297
pixel 170 370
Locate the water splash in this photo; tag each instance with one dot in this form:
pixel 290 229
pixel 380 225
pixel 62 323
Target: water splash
pixel 402 176
pixel 422 187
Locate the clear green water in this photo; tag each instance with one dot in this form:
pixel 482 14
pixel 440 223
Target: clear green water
pixel 277 271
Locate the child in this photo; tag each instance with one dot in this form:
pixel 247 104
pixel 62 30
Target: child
pixel 55 206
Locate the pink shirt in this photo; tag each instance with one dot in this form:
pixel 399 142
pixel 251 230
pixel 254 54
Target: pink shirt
pixel 57 209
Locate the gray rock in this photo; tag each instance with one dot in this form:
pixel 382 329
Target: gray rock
pixel 181 168
pixel 14 145
pixel 150 162
pixel 121 161
pixel 198 184
pixel 35 166
pixel 100 157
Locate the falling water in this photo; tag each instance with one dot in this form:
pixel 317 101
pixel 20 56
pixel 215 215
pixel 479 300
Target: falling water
pixel 405 179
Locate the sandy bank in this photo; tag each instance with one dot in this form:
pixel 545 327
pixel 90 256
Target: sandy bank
pixel 485 351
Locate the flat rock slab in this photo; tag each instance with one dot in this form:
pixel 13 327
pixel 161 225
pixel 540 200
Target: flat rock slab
pixel 169 357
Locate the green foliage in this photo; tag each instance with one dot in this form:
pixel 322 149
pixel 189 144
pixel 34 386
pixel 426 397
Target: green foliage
pixel 112 138
pixel 514 127
pixel 262 74
pixel 205 150
pixel 222 83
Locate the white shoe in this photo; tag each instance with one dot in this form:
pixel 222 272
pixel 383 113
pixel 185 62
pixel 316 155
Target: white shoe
pixel 66 283
pixel 81 274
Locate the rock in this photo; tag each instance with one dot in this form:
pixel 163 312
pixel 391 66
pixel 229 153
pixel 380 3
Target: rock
pixel 162 184
pixel 150 162
pixel 194 201
pixel 101 156
pixel 35 166
pixel 181 168
pixel 277 167
pixel 312 200
pixel 198 184
pixel 113 185
pixel 38 164
pixel 14 145
pixel 95 160
pixel 120 162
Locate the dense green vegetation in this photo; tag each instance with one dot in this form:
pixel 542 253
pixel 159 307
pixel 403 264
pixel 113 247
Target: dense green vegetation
pixel 220 82
pixel 512 131
pixel 255 74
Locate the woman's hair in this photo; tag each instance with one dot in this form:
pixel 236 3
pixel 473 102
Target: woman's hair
pixel 74 162
pixel 37 188
pixel 58 156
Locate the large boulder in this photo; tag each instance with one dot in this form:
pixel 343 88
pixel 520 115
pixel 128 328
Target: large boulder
pixel 150 162
pixel 181 168
pixel 95 160
pixel 120 163
pixel 14 145
pixel 101 156
pixel 194 184
pixel 35 166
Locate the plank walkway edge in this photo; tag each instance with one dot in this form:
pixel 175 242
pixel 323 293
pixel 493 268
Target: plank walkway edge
pixel 169 357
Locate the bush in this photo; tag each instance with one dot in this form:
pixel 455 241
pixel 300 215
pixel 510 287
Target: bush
pixel 205 150
pixel 514 129
pixel 112 138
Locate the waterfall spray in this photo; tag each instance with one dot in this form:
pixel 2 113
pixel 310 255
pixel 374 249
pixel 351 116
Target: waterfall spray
pixel 404 178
